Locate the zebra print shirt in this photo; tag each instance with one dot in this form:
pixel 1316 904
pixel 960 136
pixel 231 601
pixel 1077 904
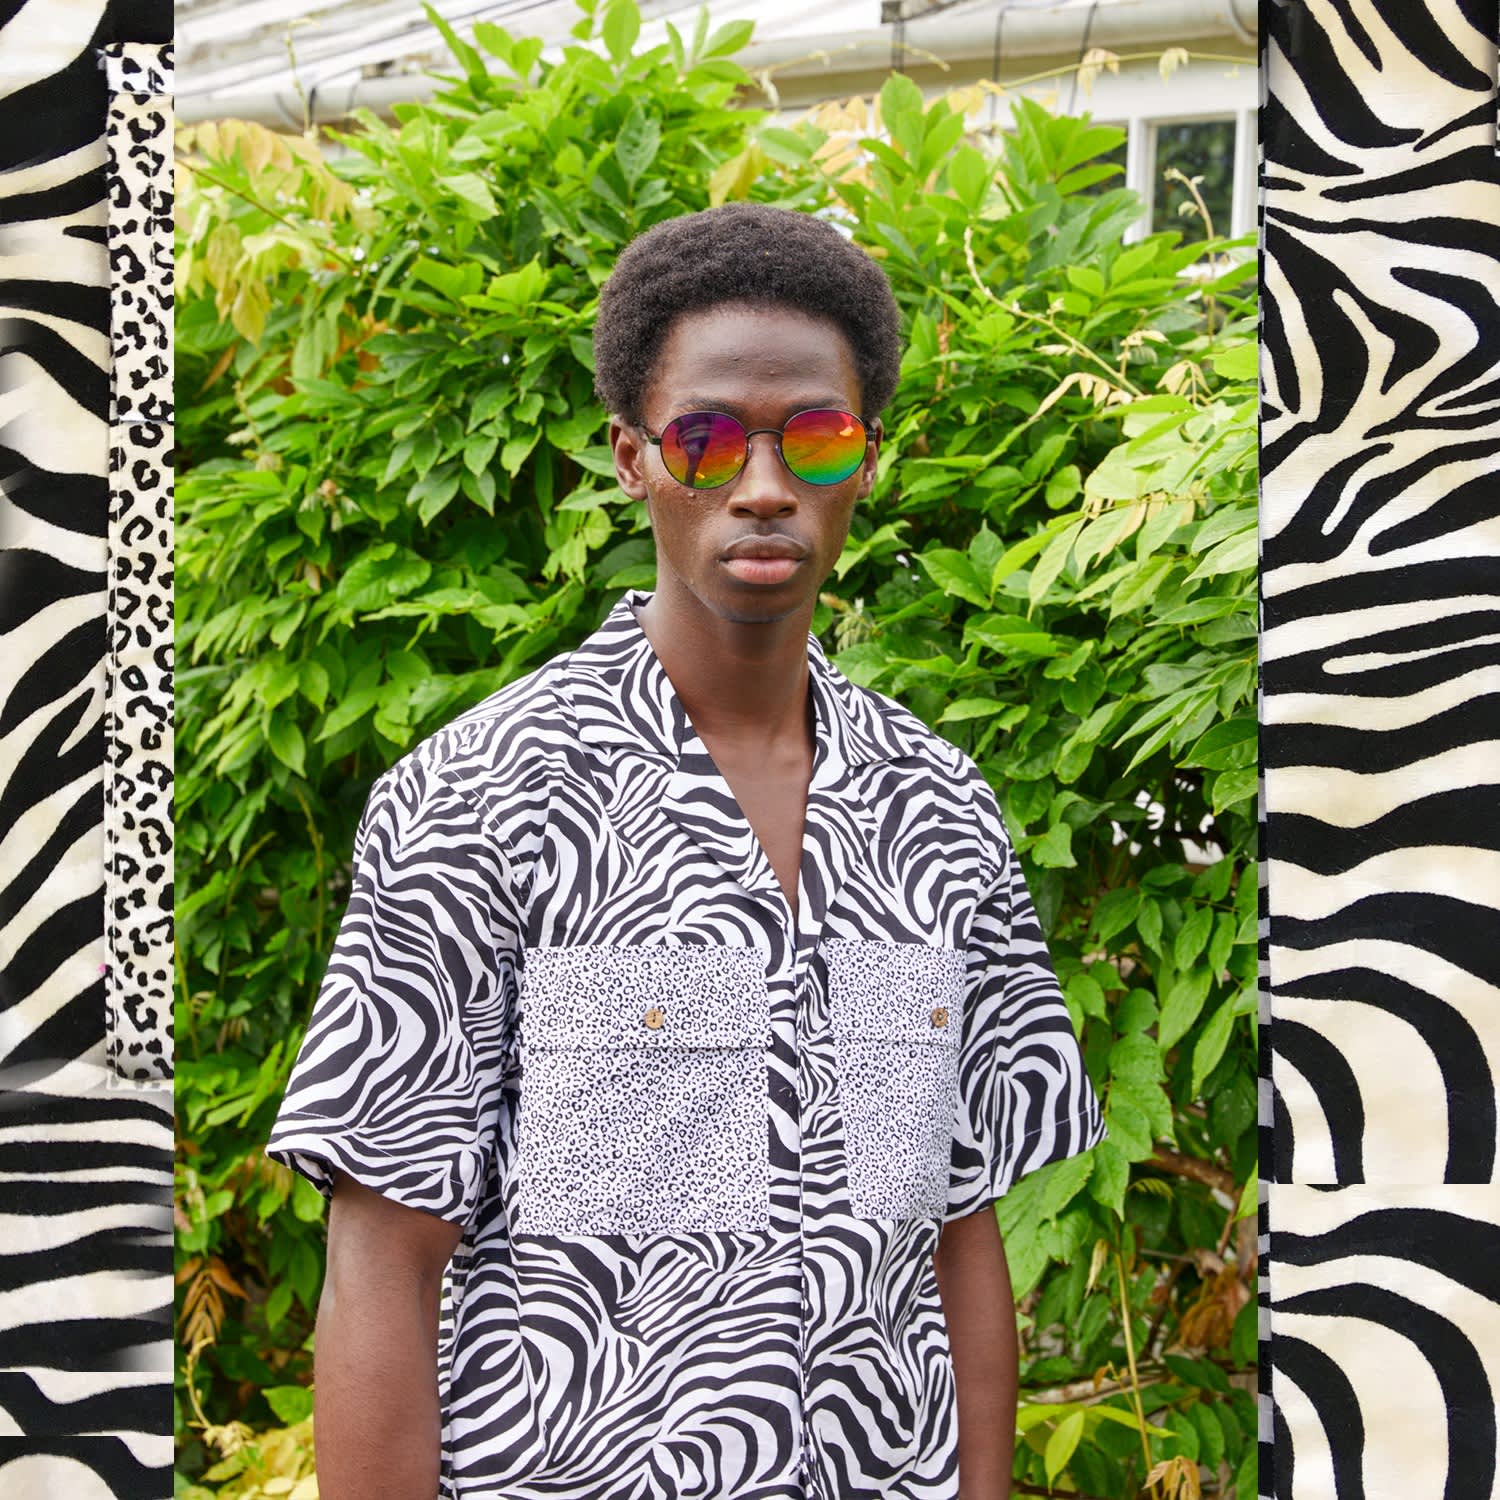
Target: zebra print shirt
pixel 701 1151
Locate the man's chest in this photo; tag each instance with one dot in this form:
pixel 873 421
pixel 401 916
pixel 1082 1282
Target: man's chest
pixel 693 1057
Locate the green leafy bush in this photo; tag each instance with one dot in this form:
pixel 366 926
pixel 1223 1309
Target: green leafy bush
pixel 395 496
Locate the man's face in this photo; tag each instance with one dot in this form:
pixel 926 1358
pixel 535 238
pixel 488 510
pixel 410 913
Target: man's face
pixel 761 365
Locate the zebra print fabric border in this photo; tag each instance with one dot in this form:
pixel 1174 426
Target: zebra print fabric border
pixel 1381 742
pixel 85 1172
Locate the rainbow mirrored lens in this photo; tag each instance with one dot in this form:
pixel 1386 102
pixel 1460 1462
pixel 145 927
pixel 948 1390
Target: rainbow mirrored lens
pixel 702 449
pixel 823 447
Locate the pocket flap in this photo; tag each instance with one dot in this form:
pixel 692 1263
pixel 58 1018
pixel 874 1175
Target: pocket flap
pixel 645 995
pixel 909 992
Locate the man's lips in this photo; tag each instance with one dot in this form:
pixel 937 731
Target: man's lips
pixel 764 547
pixel 763 559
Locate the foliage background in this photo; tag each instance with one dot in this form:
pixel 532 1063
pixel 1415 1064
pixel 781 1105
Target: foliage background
pixel 395 496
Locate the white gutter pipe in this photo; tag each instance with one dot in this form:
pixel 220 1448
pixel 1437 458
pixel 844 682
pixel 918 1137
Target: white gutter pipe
pixel 1028 31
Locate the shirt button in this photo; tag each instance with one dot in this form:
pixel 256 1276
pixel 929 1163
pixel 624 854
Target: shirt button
pixel 654 1017
pixel 940 1015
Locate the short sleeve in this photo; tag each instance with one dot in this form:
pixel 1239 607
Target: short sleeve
pixel 1025 1098
pixel 398 1077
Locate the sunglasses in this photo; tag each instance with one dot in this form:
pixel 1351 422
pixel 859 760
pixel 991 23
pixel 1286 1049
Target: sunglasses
pixel 704 449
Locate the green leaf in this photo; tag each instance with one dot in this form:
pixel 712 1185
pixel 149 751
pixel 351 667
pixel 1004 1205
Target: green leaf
pixel 291 1403
pixel 729 38
pixel 638 142
pixel 1191 936
pixel 495 40
pixel 1129 1125
pixel 1227 746
pixel 1233 787
pixel 1247 1475
pixel 516 450
pixel 1240 362
pixel 954 572
pixel 785 146
pixel 1052 561
pixel 1181 1006
pixel 1054 849
pixel 1085 992
pixel 1062 1182
pixel 1148 925
pixel 1062 1444
pixel 307 1201
pixel 472 190
pixel 313 680
pixel 969 175
pixel 1064 484
pixel 1011 635
pixel 1211 1043
pixel 620 28
pixel 1135 1057
pixel 1110 1176
pixel 1116 911
pixel 287 744
pixel 971 708
pixel 1249 1197
pixel 1235 554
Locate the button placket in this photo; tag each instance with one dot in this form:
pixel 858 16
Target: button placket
pixel 802 967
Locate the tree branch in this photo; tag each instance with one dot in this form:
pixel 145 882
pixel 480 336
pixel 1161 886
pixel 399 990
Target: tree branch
pixel 1194 1168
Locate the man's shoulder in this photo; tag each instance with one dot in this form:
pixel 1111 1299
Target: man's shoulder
pixel 905 737
pixel 900 733
pixel 495 750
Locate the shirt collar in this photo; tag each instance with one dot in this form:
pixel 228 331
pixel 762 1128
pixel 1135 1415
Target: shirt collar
pixel 620 694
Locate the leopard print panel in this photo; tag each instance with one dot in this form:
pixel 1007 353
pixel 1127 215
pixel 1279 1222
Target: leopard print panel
pixel 139 185
pixel 895 1012
pixel 139 655
pixel 644 1108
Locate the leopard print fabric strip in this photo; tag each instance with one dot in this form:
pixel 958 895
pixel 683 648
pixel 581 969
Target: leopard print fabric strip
pixel 139 660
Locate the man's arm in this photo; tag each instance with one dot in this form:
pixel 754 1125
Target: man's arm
pixel 974 1283
pixel 375 1398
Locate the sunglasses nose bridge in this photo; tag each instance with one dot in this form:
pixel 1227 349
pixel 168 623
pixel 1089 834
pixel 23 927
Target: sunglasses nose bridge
pixel 776 476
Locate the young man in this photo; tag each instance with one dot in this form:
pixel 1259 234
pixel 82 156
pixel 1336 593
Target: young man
pixel 689 1013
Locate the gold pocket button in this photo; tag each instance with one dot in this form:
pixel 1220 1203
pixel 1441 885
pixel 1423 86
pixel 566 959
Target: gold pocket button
pixel 654 1017
pixel 940 1015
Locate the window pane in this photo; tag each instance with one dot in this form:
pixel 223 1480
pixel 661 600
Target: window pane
pixel 1196 148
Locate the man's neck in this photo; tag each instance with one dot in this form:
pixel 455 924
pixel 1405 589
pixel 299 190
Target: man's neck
pixel 742 684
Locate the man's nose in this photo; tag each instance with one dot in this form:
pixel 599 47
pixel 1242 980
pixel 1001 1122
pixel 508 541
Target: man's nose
pixel 764 481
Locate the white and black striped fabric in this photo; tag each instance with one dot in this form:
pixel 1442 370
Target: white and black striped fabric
pixel 1381 743
pixel 701 1149
pixel 85 1166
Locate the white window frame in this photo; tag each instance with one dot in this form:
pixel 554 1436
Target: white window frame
pixel 1140 162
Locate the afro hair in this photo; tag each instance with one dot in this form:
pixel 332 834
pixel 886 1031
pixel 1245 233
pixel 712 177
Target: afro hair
pixel 741 252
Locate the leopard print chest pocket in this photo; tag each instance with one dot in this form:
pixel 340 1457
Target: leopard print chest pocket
pixel 644 1101
pixel 895 1010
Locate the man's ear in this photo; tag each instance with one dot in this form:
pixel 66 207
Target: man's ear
pixel 628 447
pixel 872 455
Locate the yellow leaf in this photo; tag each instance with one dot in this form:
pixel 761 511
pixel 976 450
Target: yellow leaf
pixel 1172 59
pixel 1095 61
pixel 735 177
pixel 1096 1264
pixel 256 147
pixel 248 310
pixel 965 101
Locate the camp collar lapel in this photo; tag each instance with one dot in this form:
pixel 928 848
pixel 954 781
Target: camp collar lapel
pixel 620 695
